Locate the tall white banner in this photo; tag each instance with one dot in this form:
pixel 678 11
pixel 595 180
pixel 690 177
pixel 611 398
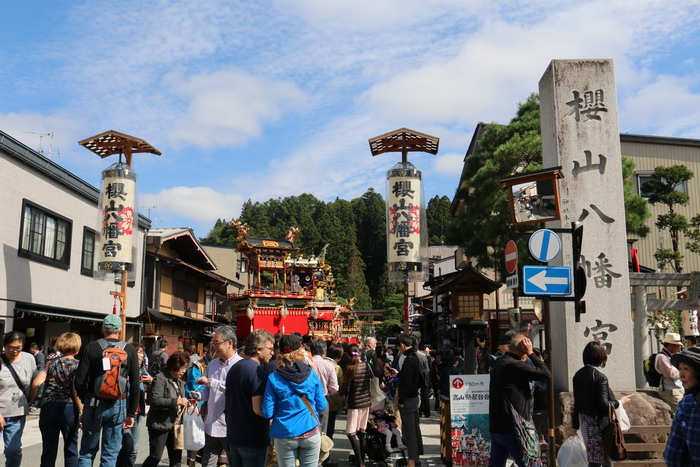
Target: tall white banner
pixel 407 237
pixel 117 218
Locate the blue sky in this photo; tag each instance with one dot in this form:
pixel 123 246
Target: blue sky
pixel 252 100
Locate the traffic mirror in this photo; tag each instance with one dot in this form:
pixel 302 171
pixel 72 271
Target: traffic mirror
pixel 534 196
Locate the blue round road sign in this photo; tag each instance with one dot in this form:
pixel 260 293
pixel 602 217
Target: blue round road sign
pixel 544 245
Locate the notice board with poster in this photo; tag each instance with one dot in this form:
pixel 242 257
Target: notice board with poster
pixel 469 410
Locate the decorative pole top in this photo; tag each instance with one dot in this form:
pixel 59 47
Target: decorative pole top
pixel 404 141
pixel 113 142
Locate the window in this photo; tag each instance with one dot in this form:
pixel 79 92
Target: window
pixel 644 177
pixel 45 236
pixel 185 296
pixel 469 307
pixel 179 294
pixel 86 266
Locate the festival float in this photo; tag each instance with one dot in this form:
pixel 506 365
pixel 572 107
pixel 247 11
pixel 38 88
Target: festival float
pixel 287 292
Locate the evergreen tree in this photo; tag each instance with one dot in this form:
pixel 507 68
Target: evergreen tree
pixel 220 234
pixel 439 217
pixel 370 223
pixel 636 207
pixel 662 188
pixel 354 284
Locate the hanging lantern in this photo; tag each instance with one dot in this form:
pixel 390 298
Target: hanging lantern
pixel 118 217
pixel 283 310
pixel 314 312
pixel 250 312
pixel 407 240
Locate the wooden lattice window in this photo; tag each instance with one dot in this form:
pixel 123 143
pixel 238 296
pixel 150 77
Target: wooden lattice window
pixel 469 307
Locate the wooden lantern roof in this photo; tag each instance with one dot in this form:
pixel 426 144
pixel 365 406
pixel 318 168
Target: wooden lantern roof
pixel 404 140
pixel 113 142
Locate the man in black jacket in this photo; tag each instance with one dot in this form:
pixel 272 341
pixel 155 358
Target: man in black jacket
pixel 411 379
pixel 510 388
pixel 106 417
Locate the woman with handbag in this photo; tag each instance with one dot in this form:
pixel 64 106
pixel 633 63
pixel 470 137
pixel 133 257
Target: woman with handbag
pixel 293 399
pixel 16 373
pixel 593 399
pixel 356 386
pixel 61 409
pixel 168 402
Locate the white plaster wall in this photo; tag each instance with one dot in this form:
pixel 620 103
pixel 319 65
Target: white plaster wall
pixel 22 279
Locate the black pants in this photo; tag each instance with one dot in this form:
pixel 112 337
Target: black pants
pixel 425 401
pixel 410 427
pixel 157 441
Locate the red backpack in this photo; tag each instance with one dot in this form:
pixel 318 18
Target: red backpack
pixel 112 383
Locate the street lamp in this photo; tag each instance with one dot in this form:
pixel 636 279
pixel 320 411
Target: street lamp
pixel 118 217
pixel 407 238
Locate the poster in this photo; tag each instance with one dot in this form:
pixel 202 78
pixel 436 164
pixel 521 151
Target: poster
pixel 469 412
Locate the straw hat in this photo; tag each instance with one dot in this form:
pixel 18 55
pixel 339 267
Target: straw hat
pixel 672 338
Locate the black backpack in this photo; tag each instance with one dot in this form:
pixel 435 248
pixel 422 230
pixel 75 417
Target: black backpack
pixel 156 365
pixel 651 374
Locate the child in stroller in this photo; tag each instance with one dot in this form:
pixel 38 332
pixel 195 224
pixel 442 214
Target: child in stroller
pixel 386 426
pixel 381 432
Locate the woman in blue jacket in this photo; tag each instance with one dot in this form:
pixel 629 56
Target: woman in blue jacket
pixel 295 427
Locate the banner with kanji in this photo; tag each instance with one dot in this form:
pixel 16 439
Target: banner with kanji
pixel 117 218
pixel 406 224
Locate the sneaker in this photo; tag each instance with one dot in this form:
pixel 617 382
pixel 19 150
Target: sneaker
pixel 33 410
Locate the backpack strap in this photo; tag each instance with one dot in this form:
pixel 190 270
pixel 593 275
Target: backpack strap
pixel 19 384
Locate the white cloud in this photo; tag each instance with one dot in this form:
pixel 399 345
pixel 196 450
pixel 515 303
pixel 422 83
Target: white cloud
pixel 229 107
pixel 448 164
pixel 667 106
pixel 201 206
pixel 502 62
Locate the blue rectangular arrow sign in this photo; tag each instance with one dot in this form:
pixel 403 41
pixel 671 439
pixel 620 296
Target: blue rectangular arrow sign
pixel 547 280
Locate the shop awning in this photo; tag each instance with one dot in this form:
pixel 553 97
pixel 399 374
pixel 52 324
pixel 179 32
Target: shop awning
pixel 157 315
pixel 61 314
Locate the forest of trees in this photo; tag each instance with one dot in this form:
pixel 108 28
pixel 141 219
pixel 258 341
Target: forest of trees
pixel 354 230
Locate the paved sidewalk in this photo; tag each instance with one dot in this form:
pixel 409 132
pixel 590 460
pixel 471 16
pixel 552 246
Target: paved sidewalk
pixel 430 427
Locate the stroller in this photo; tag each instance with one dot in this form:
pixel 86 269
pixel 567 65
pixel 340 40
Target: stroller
pixel 376 443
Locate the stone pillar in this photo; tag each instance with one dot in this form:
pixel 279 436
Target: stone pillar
pixel 641 334
pixel 580 133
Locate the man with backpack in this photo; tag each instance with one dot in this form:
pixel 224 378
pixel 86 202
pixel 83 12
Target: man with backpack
pixel 671 388
pixel 160 359
pixel 107 382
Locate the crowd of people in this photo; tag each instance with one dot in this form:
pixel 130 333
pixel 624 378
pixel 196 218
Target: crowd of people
pixel 276 398
pixel 517 370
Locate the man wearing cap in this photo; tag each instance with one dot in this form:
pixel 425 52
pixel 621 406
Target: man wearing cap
pixel 683 447
pixel 106 417
pixel 671 389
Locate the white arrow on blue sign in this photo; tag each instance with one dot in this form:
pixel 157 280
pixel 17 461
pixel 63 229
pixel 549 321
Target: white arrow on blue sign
pixel 547 280
pixel 544 245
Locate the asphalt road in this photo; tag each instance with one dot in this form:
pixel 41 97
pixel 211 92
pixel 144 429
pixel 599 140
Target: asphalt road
pixel 430 427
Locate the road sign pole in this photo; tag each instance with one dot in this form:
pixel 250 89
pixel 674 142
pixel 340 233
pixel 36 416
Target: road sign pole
pixel 550 384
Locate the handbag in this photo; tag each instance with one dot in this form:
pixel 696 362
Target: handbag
pixel 375 390
pixel 326 442
pixel 178 427
pixel 194 429
pixel 529 441
pixel 613 438
pixel 179 432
